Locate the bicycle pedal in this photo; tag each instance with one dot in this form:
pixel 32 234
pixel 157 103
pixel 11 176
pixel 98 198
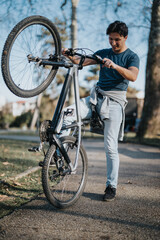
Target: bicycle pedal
pixel 34 149
pixel 54 176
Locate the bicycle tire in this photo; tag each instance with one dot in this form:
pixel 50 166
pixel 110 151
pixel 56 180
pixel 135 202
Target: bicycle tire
pixel 64 191
pixel 35 35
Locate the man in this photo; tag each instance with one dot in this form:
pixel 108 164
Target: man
pixel 120 65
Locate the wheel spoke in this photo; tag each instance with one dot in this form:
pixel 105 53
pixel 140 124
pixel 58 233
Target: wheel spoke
pixel 25 75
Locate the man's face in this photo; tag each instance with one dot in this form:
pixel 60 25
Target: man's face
pixel 117 42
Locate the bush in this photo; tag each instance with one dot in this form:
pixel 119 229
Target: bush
pixel 5 120
pixel 23 120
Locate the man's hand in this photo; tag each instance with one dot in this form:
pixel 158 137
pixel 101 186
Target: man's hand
pixel 108 63
pixel 76 59
pixel 64 52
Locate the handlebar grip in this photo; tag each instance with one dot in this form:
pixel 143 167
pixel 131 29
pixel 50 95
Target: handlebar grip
pixel 98 59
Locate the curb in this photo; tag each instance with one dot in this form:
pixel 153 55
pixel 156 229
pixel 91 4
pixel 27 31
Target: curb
pixel 25 173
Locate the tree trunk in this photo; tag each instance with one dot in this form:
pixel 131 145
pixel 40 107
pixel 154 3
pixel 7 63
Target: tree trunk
pixel 36 112
pixel 74 24
pixel 150 122
pixel 74 42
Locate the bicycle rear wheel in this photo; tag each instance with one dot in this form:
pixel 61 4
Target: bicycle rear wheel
pixel 35 36
pixel 63 191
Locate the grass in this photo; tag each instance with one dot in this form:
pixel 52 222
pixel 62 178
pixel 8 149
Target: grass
pixel 15 159
pixel 152 141
pixel 13 194
pixel 130 137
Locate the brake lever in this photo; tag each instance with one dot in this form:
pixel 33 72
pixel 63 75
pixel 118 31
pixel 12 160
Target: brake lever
pixel 70 52
pixel 80 67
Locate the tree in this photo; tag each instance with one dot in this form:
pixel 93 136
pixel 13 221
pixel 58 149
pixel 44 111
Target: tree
pixel 74 29
pixel 6 117
pixel 74 43
pixel 150 122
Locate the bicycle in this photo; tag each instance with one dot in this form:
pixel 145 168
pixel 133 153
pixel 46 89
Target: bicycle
pixel 35 43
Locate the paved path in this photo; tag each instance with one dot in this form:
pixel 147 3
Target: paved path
pixel 135 214
pixel 21 138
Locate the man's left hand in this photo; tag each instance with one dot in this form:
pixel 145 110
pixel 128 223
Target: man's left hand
pixel 108 63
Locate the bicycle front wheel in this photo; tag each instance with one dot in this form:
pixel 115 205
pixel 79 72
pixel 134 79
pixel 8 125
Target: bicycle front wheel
pixel 63 191
pixel 34 36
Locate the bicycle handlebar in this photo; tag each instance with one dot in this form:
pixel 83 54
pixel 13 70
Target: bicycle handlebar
pixel 55 61
pixel 71 52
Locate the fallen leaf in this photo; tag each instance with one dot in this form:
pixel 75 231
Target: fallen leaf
pixel 16 183
pixel 6 150
pixel 129 182
pixel 3 197
pixel 5 163
pixel 2 175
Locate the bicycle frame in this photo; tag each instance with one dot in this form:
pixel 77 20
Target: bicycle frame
pixel 56 127
pixel 54 130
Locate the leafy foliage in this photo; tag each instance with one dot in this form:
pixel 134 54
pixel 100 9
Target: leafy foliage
pixel 5 119
pixel 22 120
pixel 94 71
pixel 47 108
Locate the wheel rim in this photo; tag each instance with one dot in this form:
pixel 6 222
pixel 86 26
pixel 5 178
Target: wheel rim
pixel 37 40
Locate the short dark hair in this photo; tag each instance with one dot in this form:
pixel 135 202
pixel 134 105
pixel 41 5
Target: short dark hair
pixel 118 27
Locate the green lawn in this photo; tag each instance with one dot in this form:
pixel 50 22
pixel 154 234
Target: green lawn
pixel 131 137
pixel 15 159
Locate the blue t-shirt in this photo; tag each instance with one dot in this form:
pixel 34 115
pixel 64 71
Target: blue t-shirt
pixel 110 79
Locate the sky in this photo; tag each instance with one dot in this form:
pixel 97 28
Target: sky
pixel 93 19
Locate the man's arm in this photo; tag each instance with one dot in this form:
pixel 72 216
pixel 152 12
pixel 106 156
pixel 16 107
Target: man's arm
pixel 76 59
pixel 130 73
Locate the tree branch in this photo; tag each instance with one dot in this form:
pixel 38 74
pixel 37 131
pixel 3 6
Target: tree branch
pixel 139 26
pixel 63 4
